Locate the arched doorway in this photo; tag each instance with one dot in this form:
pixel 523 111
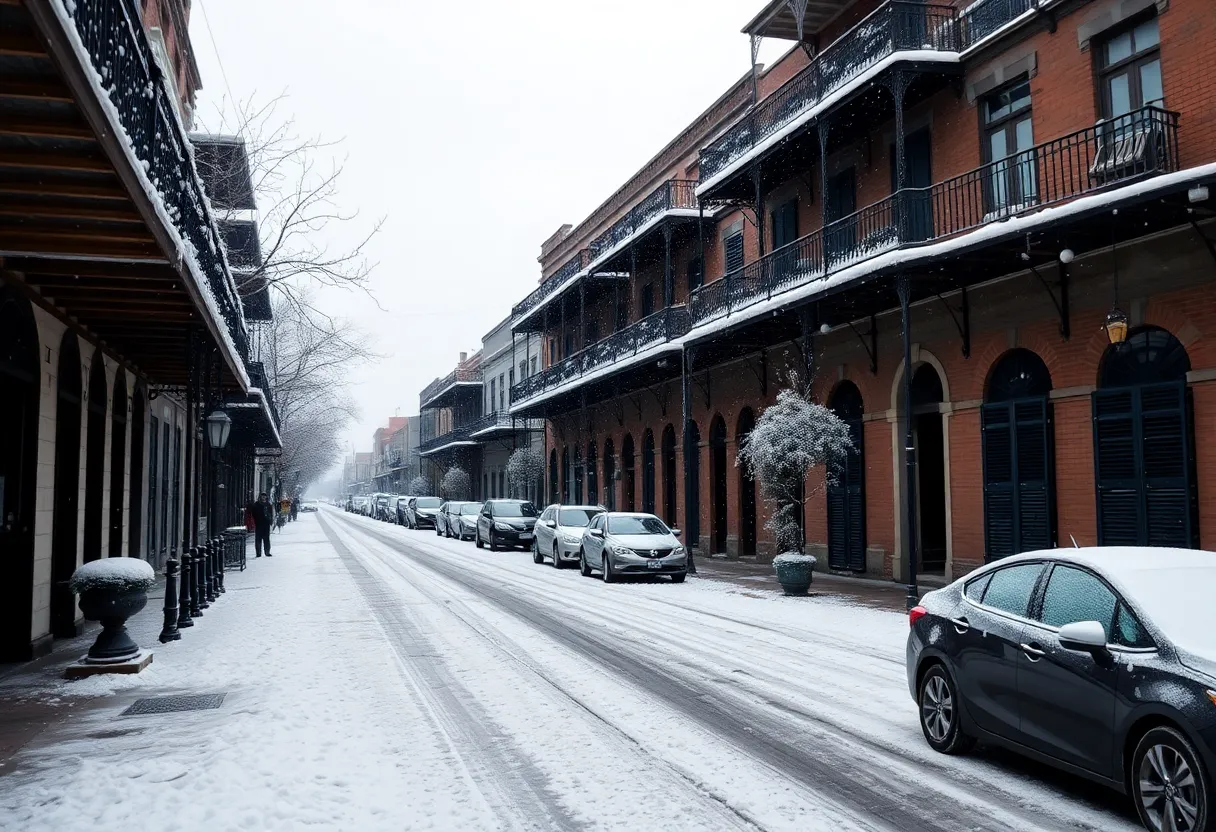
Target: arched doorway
pixel 609 476
pixel 67 488
pixel 669 475
pixel 118 460
pixel 1019 451
pixel 692 500
pixel 19 392
pixel 553 493
pixel 567 479
pixel 747 489
pixel 846 499
pixel 929 441
pixel 95 459
pixel 135 515
pixel 578 476
pixel 648 484
pixel 1144 448
pixel 593 481
pixel 717 488
pixel 629 481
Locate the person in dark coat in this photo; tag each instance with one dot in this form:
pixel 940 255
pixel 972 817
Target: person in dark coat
pixel 263 520
pixel 295 508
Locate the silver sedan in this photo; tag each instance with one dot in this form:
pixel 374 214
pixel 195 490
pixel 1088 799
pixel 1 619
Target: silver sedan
pixel 559 533
pixel 618 543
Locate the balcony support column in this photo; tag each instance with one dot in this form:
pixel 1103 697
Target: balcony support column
pixel 758 183
pixel 904 288
pixel 807 315
pixel 561 344
pixel 700 245
pixel 824 128
pixel 668 279
pixel 582 312
pixel 689 451
pixel 898 85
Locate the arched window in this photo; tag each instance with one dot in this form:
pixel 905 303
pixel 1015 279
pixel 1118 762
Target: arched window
pixel 593 482
pixel 747 489
pixel 669 476
pixel 1019 457
pixel 1144 448
pixel 846 500
pixel 717 479
pixel 609 476
pixel 629 481
pixel 648 471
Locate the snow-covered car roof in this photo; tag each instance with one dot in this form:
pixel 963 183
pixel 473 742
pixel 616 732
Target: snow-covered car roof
pixel 1119 562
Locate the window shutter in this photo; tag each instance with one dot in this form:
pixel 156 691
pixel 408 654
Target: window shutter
pixel 734 252
pixel 1035 514
pixel 997 438
pixel 1119 486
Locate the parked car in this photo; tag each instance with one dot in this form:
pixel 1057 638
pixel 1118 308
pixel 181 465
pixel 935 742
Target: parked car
pixel 385 507
pixel 309 505
pixel 420 512
pixel 401 513
pixel 1100 662
pixel 457 519
pixel 359 504
pixel 559 532
pixel 619 543
pixel 505 523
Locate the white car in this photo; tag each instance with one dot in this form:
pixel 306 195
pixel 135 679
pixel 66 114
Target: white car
pixel 559 533
pixel 621 543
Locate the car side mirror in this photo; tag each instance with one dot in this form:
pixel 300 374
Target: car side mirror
pixel 596 533
pixel 674 532
pixel 1083 636
pixel 550 523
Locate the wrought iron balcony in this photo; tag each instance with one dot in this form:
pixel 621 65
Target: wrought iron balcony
pixel 456 434
pixel 674 194
pixel 496 424
pixel 896 26
pixel 661 327
pixel 575 265
pixel 979 20
pixel 1138 145
pixel 471 378
pixel 113 35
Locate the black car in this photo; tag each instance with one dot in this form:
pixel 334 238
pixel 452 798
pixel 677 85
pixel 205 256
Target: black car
pixel 420 512
pixel 1101 662
pixel 506 523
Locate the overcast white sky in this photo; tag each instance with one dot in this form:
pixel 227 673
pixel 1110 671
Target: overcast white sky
pixel 476 128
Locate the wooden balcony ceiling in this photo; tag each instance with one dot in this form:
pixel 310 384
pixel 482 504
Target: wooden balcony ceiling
pixel 777 19
pixel 69 228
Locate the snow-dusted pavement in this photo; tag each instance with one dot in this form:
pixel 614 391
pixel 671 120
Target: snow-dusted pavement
pixel 379 678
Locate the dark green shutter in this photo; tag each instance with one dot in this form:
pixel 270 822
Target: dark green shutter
pixel 847 510
pixel 1019 477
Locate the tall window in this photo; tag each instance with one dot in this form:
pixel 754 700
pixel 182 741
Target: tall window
pixel 734 251
pixel 695 277
pixel 1130 70
pixel 492 397
pixel 647 300
pixel 534 363
pixel 1008 138
pixel 502 391
pixel 622 312
pixel 785 223
pixel 523 370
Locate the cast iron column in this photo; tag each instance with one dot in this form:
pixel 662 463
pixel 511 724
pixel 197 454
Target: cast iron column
pixel 899 85
pixel 758 181
pixel 905 290
pixel 668 288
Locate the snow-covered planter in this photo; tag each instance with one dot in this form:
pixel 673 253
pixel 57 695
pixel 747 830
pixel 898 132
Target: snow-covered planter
pixel 112 590
pixel 795 572
pixel 524 469
pixel 456 484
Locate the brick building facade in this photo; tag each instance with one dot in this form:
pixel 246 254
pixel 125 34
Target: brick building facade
pixel 993 182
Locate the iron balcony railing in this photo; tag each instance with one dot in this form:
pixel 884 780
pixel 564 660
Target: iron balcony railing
pixel 114 37
pixel 257 378
pixel 895 26
pixel 661 327
pixel 502 420
pixel 440 384
pixel 1140 144
pixel 575 265
pixel 671 195
pixel 979 20
pixel 459 433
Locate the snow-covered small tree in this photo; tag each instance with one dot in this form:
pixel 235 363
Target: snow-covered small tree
pixel 524 469
pixel 791 438
pixel 418 487
pixel 456 484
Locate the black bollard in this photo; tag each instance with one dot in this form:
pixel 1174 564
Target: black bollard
pixel 183 595
pixel 196 569
pixel 169 632
pixel 217 575
pixel 204 578
pixel 222 562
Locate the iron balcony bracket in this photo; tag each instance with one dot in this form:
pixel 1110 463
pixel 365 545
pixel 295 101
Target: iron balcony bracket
pixel 963 325
pixel 869 342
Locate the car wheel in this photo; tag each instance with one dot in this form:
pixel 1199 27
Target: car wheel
pixel 493 543
pixel 537 557
pixel 940 719
pixel 1169 785
pixel 606 571
pixel 679 579
pixel 583 568
pixel 557 559
pixel 477 538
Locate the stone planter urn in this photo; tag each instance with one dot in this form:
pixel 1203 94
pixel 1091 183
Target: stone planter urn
pixel 112 590
pixel 795 572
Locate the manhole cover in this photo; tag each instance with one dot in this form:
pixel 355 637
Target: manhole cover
pixel 172 704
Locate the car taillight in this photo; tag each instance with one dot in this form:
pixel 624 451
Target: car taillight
pixel 916 614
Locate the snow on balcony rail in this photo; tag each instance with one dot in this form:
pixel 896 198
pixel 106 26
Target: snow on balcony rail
pixel 441 385
pixel 896 26
pixel 671 195
pixel 110 33
pixel 1140 144
pixel 663 326
pixel 552 283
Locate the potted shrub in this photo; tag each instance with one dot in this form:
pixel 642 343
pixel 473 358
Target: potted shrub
pixel 791 437
pixel 112 590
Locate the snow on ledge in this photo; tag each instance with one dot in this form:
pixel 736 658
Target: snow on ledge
pixel 460 443
pixel 829 100
pixel 1014 225
pixel 113 573
pixel 640 357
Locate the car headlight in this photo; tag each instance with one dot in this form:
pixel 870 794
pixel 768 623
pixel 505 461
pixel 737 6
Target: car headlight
pixel 676 552
pixel 464 521
pixel 567 537
pixel 503 527
pixel 622 550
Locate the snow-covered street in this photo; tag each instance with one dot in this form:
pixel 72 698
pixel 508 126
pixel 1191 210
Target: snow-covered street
pixel 379 678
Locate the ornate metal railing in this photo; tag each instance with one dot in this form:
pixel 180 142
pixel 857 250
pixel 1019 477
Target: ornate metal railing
pixel 893 27
pixel 979 20
pixel 575 265
pixel 661 327
pixel 440 384
pixel 114 37
pixel 456 434
pixel 257 378
pixel 672 194
pixel 1141 144
pixel 502 420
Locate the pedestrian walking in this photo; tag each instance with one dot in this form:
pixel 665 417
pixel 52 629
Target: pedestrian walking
pixel 263 517
pixel 295 508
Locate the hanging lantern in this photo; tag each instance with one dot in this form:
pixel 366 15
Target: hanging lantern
pixel 219 424
pixel 1116 325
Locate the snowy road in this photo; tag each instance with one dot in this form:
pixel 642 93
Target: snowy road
pixel 573 704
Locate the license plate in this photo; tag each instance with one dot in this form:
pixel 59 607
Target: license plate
pixel 654 564
pixel 525 536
